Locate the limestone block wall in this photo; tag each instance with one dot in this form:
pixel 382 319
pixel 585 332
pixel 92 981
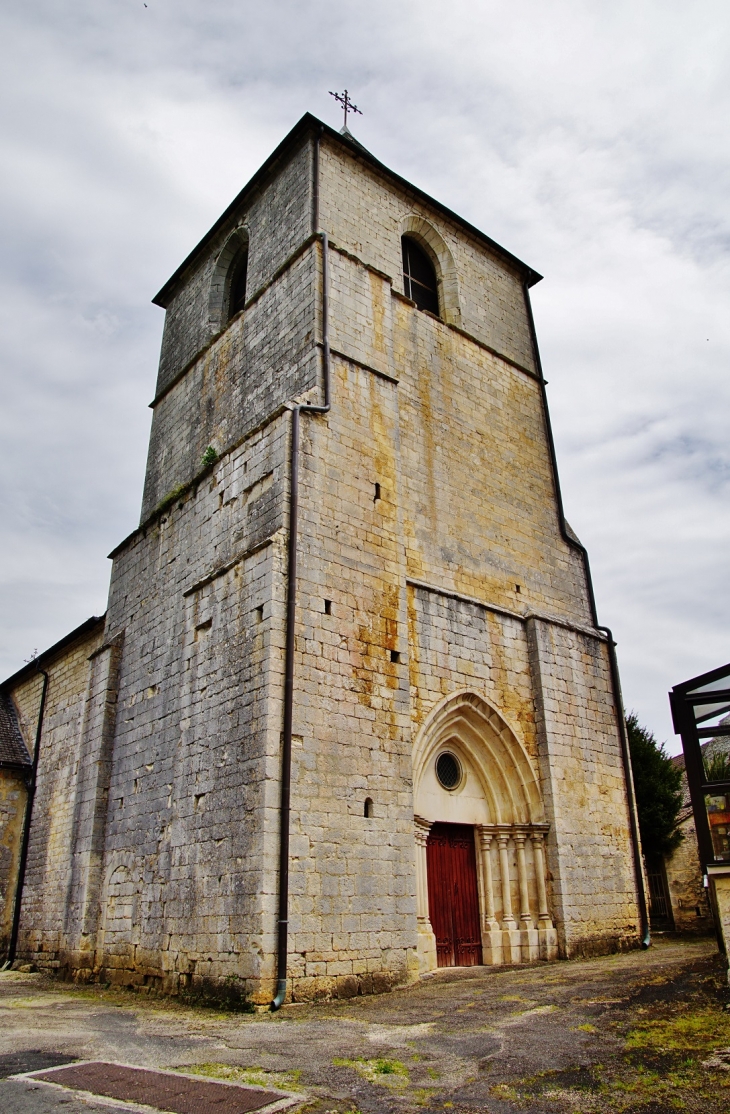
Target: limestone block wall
pixel 48 872
pixel 352 913
pixel 475 504
pixel 690 904
pixel 589 849
pixel 367 214
pixel 277 219
pixel 479 507
pixel 13 797
pixel 430 563
pixel 263 359
pixel 456 645
pixel 190 852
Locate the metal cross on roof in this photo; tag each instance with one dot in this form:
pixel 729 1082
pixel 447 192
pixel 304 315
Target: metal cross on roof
pixel 347 105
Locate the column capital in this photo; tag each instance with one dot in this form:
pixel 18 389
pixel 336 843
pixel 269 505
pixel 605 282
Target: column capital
pixel 422 828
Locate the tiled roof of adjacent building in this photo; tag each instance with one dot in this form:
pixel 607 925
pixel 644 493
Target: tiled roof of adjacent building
pixel 13 751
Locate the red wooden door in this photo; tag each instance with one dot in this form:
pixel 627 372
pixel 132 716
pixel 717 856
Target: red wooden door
pixel 453 901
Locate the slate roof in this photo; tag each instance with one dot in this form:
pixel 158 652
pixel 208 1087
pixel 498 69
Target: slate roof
pixel 13 751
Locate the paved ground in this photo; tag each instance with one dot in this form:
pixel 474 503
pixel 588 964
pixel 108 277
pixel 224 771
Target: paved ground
pixel 623 1033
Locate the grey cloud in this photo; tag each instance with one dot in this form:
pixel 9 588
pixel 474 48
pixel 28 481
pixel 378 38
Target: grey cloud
pixel 589 139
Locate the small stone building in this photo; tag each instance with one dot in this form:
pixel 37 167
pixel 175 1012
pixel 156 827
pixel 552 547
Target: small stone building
pixel 686 897
pixel 352 637
pixel 15 770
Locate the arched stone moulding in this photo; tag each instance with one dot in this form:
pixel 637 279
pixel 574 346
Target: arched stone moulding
pixel 419 229
pixel 500 797
pixel 221 279
pixel 119 926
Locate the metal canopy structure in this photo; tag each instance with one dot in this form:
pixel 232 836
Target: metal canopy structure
pixel 701 711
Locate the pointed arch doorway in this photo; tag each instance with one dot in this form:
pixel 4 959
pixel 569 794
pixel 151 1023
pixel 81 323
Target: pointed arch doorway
pixel 481 880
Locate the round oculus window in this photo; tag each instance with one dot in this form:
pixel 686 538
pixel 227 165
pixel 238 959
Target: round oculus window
pixel 448 770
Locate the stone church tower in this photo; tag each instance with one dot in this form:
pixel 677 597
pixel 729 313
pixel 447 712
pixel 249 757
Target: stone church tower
pixel 349 715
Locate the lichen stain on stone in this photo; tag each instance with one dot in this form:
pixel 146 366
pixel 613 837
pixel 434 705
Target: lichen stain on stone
pixel 378 292
pixel 414 669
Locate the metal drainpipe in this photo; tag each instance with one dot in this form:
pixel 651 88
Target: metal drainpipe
pixel 30 785
pixel 291 605
pixel 613 661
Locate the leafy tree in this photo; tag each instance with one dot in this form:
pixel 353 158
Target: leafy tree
pixel 658 787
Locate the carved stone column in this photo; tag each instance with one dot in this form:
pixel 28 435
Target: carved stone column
pixel 525 918
pixel 489 919
pixel 508 920
pixel 491 932
pixel 426 937
pixel 511 935
pixel 538 847
pixel 529 939
pixel 547 936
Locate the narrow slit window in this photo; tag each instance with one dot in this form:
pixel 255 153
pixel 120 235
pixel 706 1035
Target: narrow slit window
pixel 237 294
pixel 368 810
pixel 419 277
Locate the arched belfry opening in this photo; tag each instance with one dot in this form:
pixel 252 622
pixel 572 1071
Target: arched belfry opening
pixel 229 281
pixel 480 833
pixel 430 274
pixel 237 284
pixel 419 276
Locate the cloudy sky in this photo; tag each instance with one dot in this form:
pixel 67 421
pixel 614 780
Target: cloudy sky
pixel 590 138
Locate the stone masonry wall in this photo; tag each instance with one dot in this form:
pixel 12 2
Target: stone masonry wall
pixel 199 597
pixel 277 219
pixel 365 214
pixel 13 797
pixel 589 850
pixel 49 854
pixel 353 878
pixel 689 898
pixel 429 479
pixel 262 359
pixel 455 439
pixel 690 904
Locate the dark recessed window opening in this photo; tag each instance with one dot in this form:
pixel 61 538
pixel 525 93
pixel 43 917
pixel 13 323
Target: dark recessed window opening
pixel 328 607
pixel 368 810
pixel 419 276
pixel 376 496
pixel 394 655
pixel 517 587
pixel 237 292
pixel 260 614
pixel 448 770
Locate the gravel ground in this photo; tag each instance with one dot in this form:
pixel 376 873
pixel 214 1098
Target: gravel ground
pixel 584 1035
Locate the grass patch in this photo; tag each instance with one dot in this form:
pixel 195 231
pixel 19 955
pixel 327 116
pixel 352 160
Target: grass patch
pixel 659 1071
pixel 699 1030
pixel 383 1070
pixel 255 1077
